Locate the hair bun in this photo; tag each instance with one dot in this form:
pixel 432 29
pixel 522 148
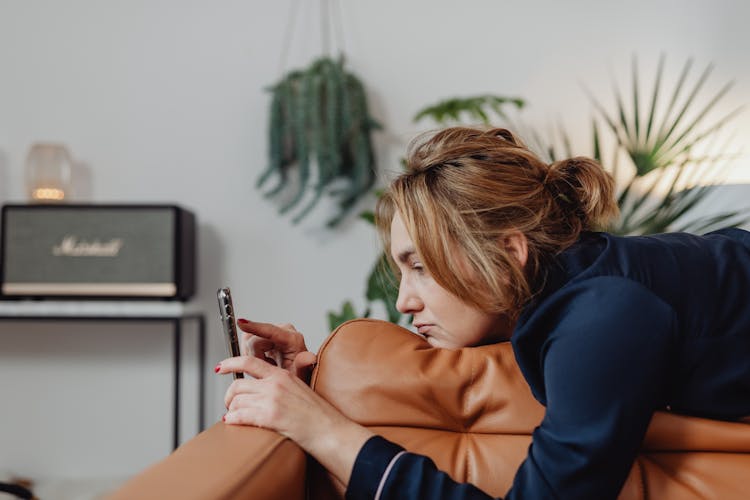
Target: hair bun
pixel 581 186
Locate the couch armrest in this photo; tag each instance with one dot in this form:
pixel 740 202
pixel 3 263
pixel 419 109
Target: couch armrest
pixel 224 462
pixel 672 432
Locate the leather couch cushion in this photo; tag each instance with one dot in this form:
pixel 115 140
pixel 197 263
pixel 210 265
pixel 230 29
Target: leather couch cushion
pixel 472 412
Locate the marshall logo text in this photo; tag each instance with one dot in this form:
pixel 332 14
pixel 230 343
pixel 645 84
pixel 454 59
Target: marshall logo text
pixel 70 246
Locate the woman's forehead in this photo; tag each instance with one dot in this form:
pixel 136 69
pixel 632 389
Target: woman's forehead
pixel 402 245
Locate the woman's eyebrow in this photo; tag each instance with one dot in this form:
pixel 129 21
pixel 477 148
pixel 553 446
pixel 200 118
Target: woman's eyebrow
pixel 405 255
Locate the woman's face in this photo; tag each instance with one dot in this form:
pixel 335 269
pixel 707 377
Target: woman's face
pixel 441 317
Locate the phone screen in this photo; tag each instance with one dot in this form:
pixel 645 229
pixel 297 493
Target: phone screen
pixel 226 315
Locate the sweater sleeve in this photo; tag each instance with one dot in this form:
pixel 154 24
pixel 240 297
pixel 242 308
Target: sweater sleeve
pixel 605 368
pixel 384 470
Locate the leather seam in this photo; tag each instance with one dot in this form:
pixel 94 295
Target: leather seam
pixel 322 350
pixel 642 479
pixel 469 471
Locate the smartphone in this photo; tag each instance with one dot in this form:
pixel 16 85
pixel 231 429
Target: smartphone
pixel 226 315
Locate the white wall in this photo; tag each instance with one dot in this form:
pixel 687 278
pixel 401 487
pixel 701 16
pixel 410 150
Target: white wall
pixel 163 101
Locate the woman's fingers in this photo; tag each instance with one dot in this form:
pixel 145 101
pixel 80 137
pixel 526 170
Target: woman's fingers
pixel 280 345
pixel 257 346
pixel 288 327
pixel 237 388
pixel 242 400
pixel 247 364
pixel 241 416
pixel 303 365
pixel 280 402
pixel 277 335
pixel 261 348
pixel 284 337
pixel 246 409
pixel 258 385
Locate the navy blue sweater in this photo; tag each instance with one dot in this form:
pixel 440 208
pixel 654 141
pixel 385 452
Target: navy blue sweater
pixel 622 327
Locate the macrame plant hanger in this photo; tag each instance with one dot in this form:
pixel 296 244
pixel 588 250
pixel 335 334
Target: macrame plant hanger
pixel 319 130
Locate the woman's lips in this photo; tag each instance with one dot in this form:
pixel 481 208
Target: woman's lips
pixel 423 329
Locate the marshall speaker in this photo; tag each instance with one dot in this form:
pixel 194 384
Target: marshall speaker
pixel 97 251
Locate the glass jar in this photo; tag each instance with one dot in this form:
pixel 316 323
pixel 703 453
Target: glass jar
pixel 48 172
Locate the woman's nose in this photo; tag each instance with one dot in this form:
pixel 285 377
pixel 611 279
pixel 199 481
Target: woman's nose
pixel 407 302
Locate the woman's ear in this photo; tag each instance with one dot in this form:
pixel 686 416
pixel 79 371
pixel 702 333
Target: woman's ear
pixel 517 244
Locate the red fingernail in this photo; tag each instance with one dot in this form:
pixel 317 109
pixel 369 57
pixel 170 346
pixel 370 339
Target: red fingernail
pixel 223 418
pixel 242 321
pixel 217 368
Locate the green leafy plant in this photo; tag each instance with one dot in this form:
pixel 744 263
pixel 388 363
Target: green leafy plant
pixel 475 109
pixel 320 130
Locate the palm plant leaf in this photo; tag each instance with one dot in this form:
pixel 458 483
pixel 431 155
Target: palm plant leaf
pixel 669 144
pixel 684 201
pixel 672 102
pixel 636 112
pixel 566 141
pixel 709 223
pixel 654 99
pixel 597 147
pixel 611 124
pixel 708 132
pixel 622 121
pixel 664 137
pixel 638 200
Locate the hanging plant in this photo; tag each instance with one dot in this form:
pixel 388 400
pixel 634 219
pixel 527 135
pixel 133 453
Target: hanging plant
pixel 320 130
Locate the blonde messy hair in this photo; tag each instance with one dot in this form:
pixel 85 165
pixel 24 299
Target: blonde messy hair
pixel 466 189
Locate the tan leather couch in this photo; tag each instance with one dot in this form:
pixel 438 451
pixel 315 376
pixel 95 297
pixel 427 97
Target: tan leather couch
pixel 470 410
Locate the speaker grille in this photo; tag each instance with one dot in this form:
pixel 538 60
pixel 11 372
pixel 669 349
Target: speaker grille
pixel 90 250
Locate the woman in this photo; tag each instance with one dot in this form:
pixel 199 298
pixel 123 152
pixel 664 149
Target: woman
pixel 606 329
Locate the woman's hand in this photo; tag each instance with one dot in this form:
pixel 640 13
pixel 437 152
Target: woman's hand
pixel 277 344
pixel 278 400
